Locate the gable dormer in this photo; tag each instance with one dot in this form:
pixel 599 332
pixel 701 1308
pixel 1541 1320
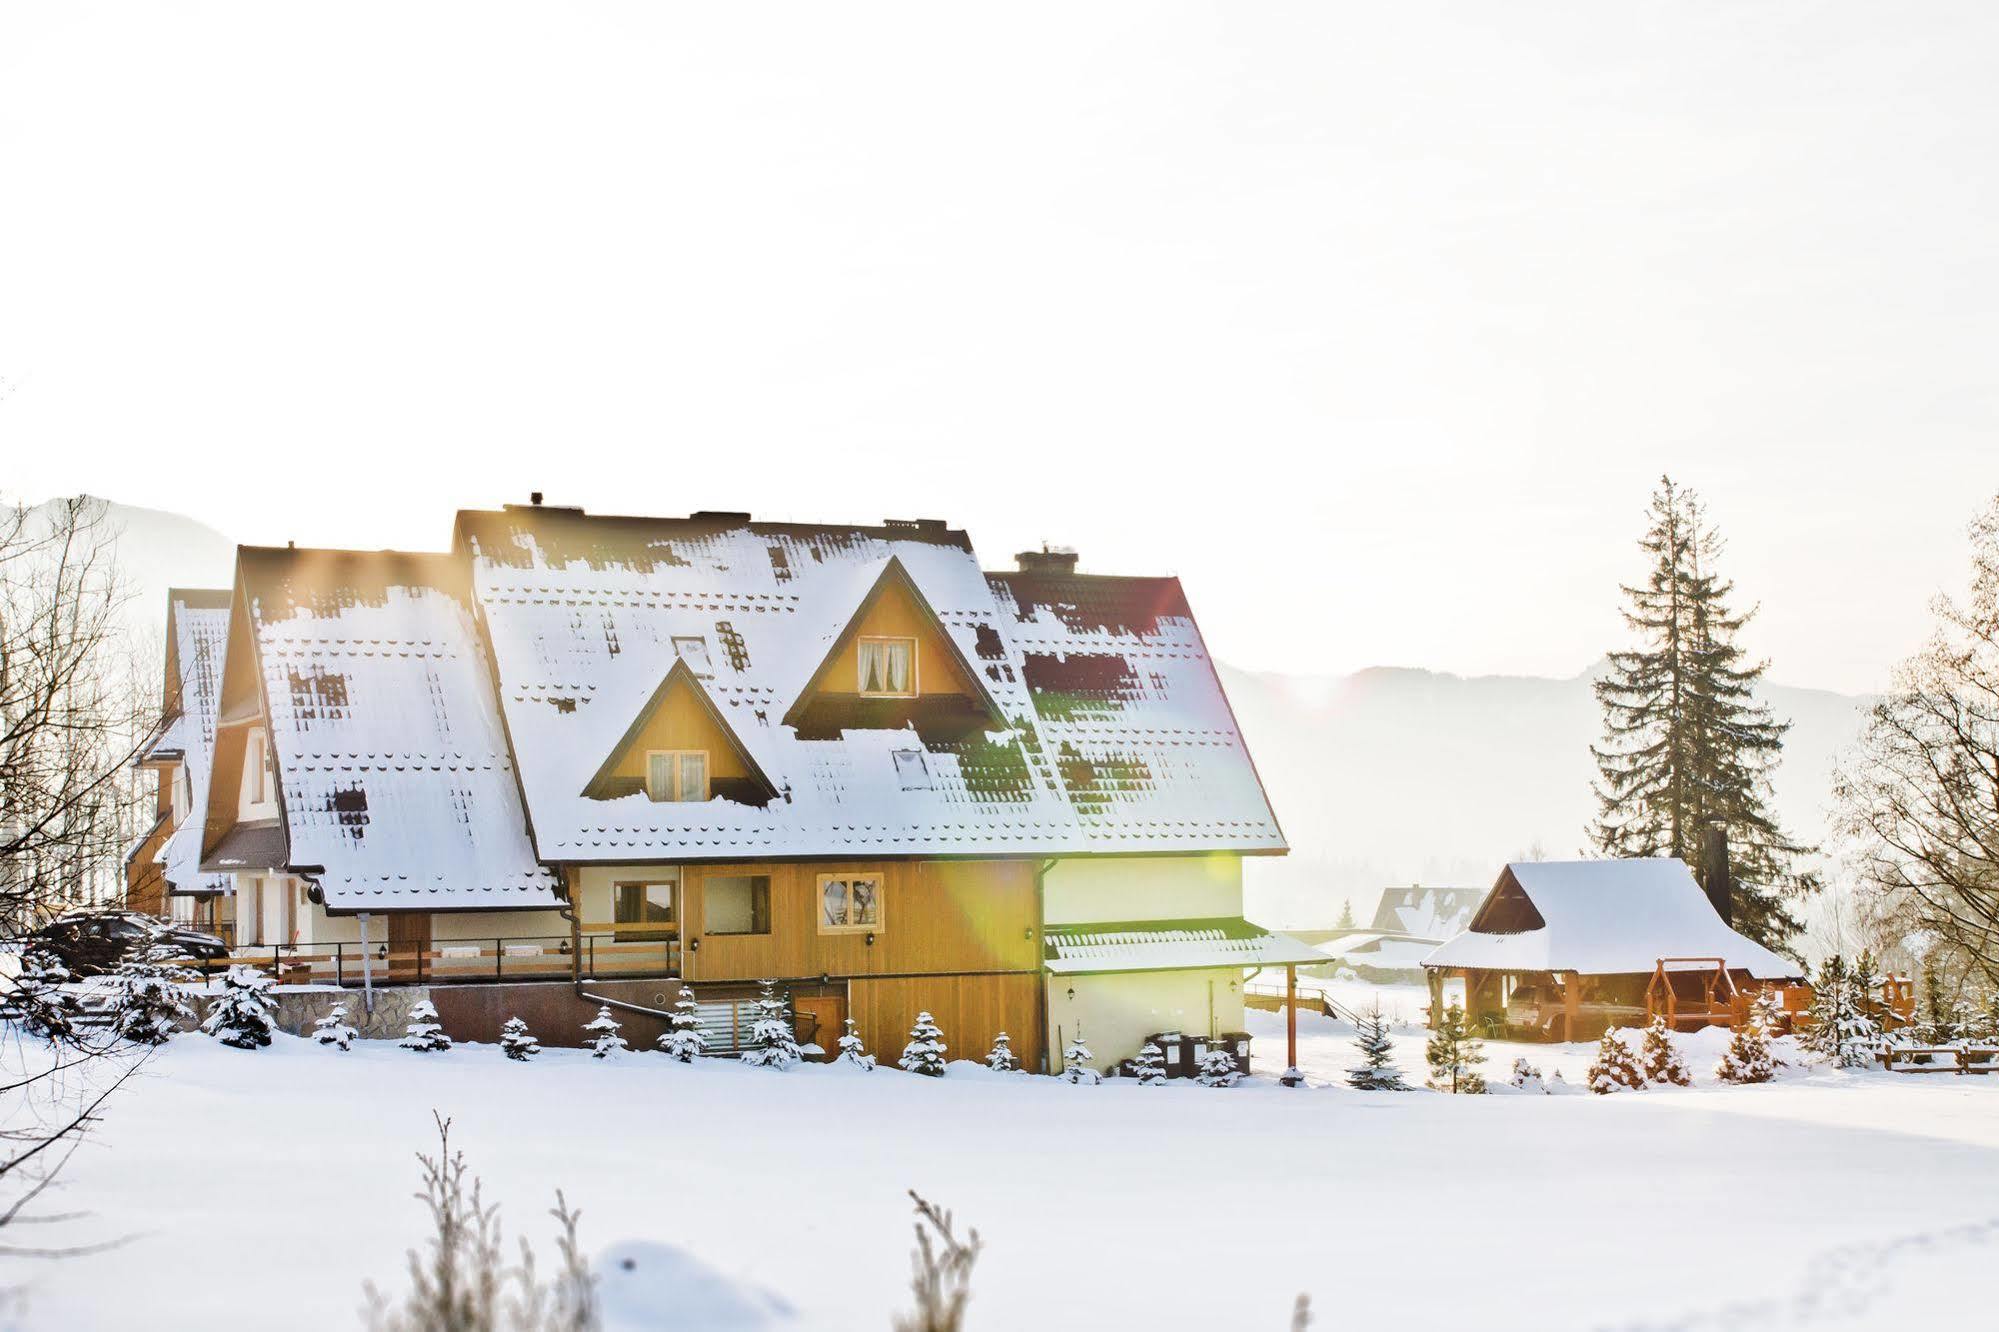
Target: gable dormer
pixel 894 665
pixel 681 748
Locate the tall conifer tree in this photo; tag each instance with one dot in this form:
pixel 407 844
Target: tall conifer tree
pixel 1686 743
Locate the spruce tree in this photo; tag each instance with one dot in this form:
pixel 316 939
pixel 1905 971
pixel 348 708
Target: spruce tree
pixel 1527 1077
pixel 773 1039
pixel 423 1032
pixel 1938 1024
pixel 1000 1058
pixel 1076 1059
pixel 1614 1069
pixel 1686 744
pixel 1377 1071
pixel 685 1041
pixel 1346 915
pixel 1663 1061
pixel 46 1008
pixel 604 1038
pixel 1747 1058
pixel 242 1015
pixel 925 1052
pixel 516 1041
pixel 853 1051
pixel 1842 1031
pixel 1218 1068
pixel 150 1006
pixel 1150 1066
pixel 333 1029
pixel 1454 1055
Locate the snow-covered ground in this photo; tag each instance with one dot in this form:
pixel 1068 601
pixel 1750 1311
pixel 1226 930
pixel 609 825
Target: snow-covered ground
pixel 266 1186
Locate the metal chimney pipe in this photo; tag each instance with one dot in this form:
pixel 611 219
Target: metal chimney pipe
pixel 1720 883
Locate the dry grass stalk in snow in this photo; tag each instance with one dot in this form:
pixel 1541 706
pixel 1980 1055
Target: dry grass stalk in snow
pixel 943 1280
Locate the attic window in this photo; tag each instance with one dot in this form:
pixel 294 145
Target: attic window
pixel 887 667
pixel 911 770
pixel 677 774
pixel 693 649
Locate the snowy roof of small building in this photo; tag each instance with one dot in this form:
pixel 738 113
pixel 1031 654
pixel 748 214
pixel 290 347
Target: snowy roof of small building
pixel 1602 917
pixel 198 625
pixel 588 614
pixel 1170 945
pixel 1426 913
pixel 395 777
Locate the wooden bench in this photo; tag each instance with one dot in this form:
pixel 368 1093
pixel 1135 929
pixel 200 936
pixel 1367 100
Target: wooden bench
pixel 1921 1059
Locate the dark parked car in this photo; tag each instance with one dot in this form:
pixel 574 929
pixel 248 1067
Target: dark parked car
pixel 91 943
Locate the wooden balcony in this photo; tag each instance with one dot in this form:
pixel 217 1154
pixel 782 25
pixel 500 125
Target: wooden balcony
pixel 607 953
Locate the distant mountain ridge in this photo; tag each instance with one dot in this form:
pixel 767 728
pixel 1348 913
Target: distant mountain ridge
pixel 1395 775
pixel 1388 776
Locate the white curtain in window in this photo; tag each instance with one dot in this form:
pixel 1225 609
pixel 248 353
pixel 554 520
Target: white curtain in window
pixel 693 777
pixel 659 776
pixel 884 667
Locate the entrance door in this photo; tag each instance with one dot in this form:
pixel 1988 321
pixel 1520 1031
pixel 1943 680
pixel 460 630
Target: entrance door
pixel 409 936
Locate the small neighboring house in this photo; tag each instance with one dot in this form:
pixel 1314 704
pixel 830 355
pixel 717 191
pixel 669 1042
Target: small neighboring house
pixel 161 874
pixel 1408 924
pixel 1560 950
pixel 615 751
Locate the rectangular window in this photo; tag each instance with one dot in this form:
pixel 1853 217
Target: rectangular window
pixel 693 649
pixel 643 903
pixel 888 667
pixel 911 771
pixel 677 774
pixel 257 766
pixel 849 903
pixel 737 903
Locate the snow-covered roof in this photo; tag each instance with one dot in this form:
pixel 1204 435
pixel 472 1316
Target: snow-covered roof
pixel 1426 913
pixel 1603 917
pixel 588 614
pixel 1077 950
pixel 198 624
pixel 394 770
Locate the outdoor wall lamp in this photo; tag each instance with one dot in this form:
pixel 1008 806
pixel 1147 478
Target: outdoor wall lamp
pixel 871 938
pixel 1072 994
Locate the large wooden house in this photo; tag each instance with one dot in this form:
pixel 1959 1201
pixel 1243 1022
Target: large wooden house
pixel 620 752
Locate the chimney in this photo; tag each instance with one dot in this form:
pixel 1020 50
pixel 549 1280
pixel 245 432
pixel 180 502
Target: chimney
pixel 534 498
pixel 1049 559
pixel 1719 884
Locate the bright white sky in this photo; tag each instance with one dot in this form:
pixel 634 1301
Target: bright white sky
pixel 1375 323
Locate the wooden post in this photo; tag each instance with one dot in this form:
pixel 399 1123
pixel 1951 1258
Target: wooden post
pixel 1572 1006
pixel 1290 1017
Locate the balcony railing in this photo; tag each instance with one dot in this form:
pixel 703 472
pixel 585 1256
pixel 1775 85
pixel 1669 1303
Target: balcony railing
pixel 606 955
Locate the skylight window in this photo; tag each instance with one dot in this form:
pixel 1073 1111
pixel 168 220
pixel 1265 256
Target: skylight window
pixel 693 649
pixel 912 770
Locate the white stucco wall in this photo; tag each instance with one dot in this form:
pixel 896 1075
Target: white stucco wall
pixel 592 886
pixel 444 926
pixel 1117 888
pixel 1118 1012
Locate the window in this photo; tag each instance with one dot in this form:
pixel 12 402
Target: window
pixel 849 903
pixel 256 767
pixel 640 906
pixel 888 667
pixel 693 649
pixel 677 774
pixel 911 771
pixel 737 903
pixel 181 796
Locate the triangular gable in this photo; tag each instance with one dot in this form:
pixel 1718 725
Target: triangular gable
pixel 1508 909
pixel 895 582
pixel 613 778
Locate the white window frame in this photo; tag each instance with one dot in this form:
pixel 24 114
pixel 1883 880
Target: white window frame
pixel 700 663
pixel 678 794
pixel 860 676
pixel 912 769
pixel 847 881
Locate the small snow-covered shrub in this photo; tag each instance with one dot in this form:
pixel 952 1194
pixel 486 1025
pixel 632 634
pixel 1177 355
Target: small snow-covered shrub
pixel 1150 1066
pixel 1614 1069
pixel 1767 1011
pixel 1663 1061
pixel 1218 1068
pixel 684 1041
pixel 925 1052
pixel 853 1051
pixel 1376 1071
pixel 604 1038
pixel 1747 1058
pixel 1076 1057
pixel 1527 1077
pixel 241 1016
pixel 1454 1055
pixel 333 1029
pixel 773 1040
pixel 1000 1058
pixel 1843 1031
pixel 45 1008
pixel 423 1032
pixel 150 1005
pixel 516 1041
pixel 1557 1084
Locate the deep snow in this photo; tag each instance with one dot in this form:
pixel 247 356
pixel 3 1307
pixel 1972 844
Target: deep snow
pixel 732 1196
